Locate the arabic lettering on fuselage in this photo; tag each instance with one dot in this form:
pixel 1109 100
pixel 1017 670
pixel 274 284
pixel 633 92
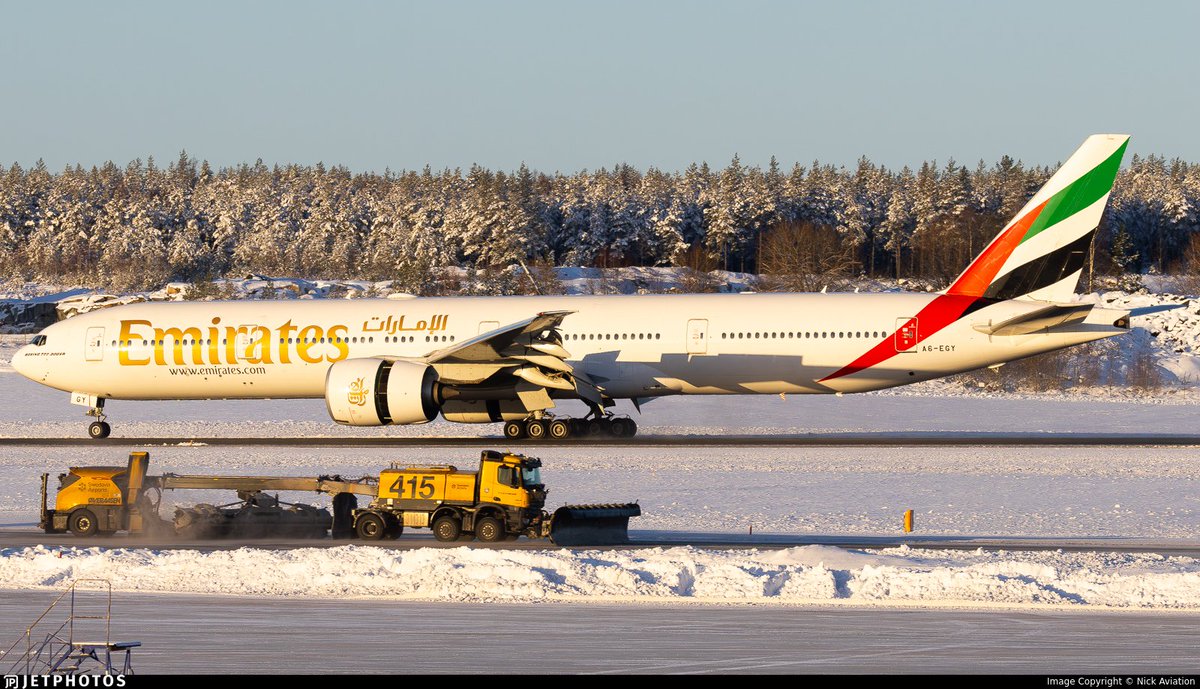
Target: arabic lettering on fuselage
pixel 392 325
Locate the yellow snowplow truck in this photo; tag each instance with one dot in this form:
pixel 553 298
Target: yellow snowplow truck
pixel 502 499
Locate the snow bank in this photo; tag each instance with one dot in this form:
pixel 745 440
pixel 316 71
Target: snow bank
pixel 795 576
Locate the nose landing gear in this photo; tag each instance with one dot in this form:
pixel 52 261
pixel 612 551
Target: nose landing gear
pixel 98 429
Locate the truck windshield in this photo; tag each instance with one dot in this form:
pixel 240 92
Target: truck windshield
pixel 531 477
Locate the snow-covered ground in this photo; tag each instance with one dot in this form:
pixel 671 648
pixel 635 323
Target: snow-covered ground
pixel 795 576
pixel 1040 492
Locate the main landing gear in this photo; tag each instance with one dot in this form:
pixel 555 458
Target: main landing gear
pixel 562 428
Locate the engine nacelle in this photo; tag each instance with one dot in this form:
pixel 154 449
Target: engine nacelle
pixel 378 392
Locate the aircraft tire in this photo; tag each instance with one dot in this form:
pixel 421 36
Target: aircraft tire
pixel 98 430
pixel 514 430
pixel 631 428
pixel 535 430
pixel 560 429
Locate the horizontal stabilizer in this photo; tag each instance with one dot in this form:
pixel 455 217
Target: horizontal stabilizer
pixel 1049 316
pixel 1147 310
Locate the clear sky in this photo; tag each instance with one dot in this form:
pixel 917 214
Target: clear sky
pixel 564 85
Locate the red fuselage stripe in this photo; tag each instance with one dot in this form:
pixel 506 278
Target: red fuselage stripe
pixel 937 314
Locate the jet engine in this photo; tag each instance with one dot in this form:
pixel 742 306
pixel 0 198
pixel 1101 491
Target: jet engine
pixel 378 392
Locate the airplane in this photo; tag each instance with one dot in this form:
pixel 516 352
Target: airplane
pixel 507 359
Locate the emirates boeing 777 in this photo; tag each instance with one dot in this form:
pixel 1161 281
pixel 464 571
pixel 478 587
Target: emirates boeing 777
pixel 507 359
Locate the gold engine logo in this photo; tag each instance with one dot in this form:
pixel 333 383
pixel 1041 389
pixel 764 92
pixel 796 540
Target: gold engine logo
pixel 358 393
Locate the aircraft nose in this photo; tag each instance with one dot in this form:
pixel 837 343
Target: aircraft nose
pixel 21 363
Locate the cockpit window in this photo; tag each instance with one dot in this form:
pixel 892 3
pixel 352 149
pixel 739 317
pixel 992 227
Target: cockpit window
pixel 38 340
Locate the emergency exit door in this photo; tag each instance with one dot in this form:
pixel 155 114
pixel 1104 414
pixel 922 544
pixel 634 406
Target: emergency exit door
pixel 697 336
pixel 906 334
pixel 243 341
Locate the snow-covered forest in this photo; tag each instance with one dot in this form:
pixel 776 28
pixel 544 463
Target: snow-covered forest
pixel 142 225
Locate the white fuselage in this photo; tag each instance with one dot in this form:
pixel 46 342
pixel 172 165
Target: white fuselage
pixel 633 346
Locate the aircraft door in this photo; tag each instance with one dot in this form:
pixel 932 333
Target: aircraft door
pixel 488 326
pixel 94 347
pixel 697 336
pixel 906 334
pixel 243 340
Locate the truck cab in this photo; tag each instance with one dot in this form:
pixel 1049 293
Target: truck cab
pixel 502 498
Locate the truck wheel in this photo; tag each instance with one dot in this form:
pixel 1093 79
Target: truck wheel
pixel 446 529
pixel 83 523
pixel 395 532
pixel 489 530
pixel 370 527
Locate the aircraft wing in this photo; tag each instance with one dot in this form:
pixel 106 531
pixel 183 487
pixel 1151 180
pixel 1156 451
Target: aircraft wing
pixel 529 349
pixel 491 346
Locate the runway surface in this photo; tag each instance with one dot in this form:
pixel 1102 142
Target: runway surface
pixel 209 634
pixel 883 439
pixel 25 537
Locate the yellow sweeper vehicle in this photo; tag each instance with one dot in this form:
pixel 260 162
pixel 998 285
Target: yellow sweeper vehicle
pixel 502 499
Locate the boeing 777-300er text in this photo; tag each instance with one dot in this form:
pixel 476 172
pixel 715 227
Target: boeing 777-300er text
pixel 507 359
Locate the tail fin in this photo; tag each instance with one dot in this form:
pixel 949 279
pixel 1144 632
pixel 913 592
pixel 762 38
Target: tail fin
pixel 1040 253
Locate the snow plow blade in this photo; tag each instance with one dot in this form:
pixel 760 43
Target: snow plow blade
pixel 574 525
